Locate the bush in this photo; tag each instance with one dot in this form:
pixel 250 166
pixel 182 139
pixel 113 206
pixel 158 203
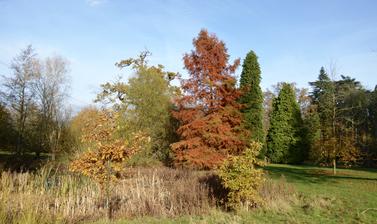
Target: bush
pixel 239 174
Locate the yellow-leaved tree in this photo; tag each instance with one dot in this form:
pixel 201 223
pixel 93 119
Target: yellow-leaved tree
pixel 104 160
pixel 242 178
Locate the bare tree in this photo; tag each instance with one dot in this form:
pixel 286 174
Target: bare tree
pixel 50 87
pixel 17 91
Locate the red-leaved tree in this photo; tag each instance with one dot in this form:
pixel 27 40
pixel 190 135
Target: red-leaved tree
pixel 210 122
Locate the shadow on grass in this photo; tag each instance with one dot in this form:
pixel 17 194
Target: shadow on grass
pixel 308 174
pixel 216 191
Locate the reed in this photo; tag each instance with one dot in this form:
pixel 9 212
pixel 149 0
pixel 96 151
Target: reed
pixel 48 196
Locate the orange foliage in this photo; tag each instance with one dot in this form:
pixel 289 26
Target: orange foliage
pixel 208 112
pixel 105 161
pixel 79 122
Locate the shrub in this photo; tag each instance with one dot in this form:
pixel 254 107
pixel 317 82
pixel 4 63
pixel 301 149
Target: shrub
pixel 239 174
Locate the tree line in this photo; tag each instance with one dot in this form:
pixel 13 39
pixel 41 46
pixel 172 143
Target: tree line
pixel 208 118
pixel 34 118
pixel 333 123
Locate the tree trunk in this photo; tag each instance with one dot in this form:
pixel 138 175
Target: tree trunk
pixel 52 145
pixel 108 202
pixel 334 134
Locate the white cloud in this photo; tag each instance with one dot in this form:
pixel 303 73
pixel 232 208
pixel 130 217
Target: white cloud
pixel 94 3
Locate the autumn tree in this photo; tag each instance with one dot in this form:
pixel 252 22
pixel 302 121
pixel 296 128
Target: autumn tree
pixel 337 112
pixel 252 97
pixel 144 104
pixel 210 122
pixel 284 139
pixel 78 123
pixel 353 104
pixel 104 160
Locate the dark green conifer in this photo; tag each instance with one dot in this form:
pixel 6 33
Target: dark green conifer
pixel 284 139
pixel 252 97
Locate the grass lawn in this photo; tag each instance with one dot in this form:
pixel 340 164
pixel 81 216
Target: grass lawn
pixel 353 191
pixel 348 197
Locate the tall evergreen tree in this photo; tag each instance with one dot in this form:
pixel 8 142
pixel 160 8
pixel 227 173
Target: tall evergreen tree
pixel 284 140
pixel 252 97
pixel 324 97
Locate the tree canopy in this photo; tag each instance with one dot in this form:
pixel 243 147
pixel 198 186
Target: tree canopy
pixel 252 97
pixel 284 140
pixel 210 122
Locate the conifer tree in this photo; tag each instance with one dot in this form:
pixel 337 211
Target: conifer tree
pixel 284 140
pixel 210 121
pixel 252 98
pixel 340 107
pixel 312 132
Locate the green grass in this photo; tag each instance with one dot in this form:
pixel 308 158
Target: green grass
pixel 354 192
pixel 351 197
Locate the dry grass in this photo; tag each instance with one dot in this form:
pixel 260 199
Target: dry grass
pixel 279 196
pixel 45 197
pixel 51 196
pixel 162 192
pixel 33 198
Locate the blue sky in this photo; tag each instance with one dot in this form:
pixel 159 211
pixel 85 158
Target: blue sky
pixel 293 38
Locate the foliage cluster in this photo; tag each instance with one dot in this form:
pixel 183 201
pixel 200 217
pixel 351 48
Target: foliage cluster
pixel 252 97
pixel 211 125
pixel 105 159
pixel 144 104
pixel 284 139
pixel 241 176
pixel 343 118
